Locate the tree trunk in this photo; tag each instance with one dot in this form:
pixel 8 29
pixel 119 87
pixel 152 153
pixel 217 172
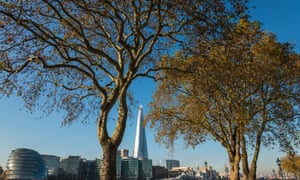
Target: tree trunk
pixel 108 168
pixel 250 174
pixel 110 144
pixel 235 168
pixel 234 160
pixel 246 172
pixel 234 156
pixel 244 158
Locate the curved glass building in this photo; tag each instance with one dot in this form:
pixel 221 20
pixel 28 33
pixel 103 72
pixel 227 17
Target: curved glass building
pixel 25 164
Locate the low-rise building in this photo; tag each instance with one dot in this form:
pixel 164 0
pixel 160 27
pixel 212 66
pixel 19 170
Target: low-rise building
pixel 159 172
pixel 170 163
pixel 71 165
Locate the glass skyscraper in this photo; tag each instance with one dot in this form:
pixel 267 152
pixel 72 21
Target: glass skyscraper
pixel 140 146
pixel 140 152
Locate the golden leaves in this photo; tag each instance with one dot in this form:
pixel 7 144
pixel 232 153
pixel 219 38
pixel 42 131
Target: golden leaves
pixel 227 84
pixel 8 5
pixel 291 164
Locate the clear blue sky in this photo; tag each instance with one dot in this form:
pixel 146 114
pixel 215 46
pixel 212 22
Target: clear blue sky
pixel 19 128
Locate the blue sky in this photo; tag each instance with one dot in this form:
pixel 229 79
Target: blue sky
pixel 18 128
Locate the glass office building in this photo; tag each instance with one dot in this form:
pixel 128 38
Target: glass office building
pixel 52 164
pixel 70 165
pixel 133 168
pixel 145 169
pixel 130 168
pixel 25 164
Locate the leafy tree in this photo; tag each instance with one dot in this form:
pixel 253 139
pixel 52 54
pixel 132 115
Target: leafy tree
pixel 291 164
pixel 242 91
pixel 81 56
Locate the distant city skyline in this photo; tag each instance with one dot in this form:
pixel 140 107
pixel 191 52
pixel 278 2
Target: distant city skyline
pixel 21 129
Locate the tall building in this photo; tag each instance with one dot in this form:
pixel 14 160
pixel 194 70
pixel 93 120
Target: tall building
pixel 140 146
pixel 140 163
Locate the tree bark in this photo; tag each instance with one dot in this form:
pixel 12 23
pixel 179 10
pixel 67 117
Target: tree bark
pixel 234 169
pixel 108 168
pixel 234 160
pixel 244 158
pixel 234 155
pixel 250 174
pixel 110 144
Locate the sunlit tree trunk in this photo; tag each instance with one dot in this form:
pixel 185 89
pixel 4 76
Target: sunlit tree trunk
pixel 234 166
pixel 234 155
pixel 110 144
pixel 108 168
pixel 250 174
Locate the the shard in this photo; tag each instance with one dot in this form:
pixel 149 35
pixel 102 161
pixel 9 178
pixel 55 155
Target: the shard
pixel 140 146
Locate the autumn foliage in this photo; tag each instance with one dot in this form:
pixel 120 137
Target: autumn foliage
pixel 80 57
pixel 241 90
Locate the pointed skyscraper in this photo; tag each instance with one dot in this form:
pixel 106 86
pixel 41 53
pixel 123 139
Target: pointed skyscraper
pixel 140 146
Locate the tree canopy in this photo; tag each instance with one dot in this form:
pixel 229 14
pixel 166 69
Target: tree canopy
pixel 80 57
pixel 291 164
pixel 242 92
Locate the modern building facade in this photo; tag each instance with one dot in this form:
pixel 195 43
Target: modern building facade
pixel 140 146
pixel 139 166
pixel 25 164
pixel 52 164
pixel 130 168
pixel 145 169
pixel 159 172
pixel 88 170
pixel 71 165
